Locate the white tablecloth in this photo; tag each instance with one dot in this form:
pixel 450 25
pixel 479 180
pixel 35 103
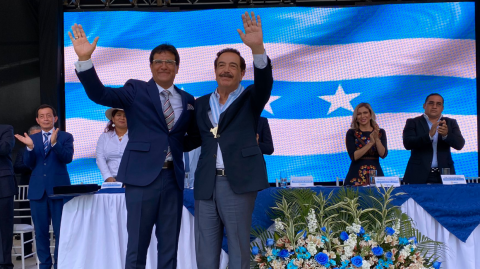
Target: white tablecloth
pixel 94 235
pixel 458 254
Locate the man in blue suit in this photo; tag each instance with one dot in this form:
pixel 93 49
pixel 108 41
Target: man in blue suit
pixel 159 115
pixel 8 189
pixel 48 153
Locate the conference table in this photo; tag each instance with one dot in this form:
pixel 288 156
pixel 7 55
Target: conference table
pixel 93 230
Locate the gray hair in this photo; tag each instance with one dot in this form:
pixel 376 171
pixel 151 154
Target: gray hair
pixel 33 128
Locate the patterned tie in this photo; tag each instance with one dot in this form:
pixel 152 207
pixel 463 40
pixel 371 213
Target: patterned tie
pixel 46 142
pixel 169 116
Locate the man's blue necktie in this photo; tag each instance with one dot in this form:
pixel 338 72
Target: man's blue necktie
pixel 46 142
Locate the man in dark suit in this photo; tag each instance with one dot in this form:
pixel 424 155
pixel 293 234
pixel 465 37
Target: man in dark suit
pixel 24 171
pixel 48 153
pixel 430 137
pixel 159 115
pixel 8 189
pixel 264 136
pixel 231 169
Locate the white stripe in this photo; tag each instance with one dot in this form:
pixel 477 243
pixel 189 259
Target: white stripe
pixel 296 137
pixel 300 63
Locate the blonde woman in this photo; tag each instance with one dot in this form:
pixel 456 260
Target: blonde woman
pixel 366 143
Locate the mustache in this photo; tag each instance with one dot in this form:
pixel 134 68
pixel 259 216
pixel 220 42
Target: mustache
pixel 226 75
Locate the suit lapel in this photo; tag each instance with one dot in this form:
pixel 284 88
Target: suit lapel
pixel 227 115
pixel 38 140
pixel 152 90
pixel 204 114
pixel 184 106
pixel 424 123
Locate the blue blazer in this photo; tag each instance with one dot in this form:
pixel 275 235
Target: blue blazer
pixel 7 180
pixel 148 135
pixel 237 136
pixel 48 170
pixel 265 141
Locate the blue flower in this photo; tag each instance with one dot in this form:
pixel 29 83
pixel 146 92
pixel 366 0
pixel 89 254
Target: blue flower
pixel 324 229
pixel 275 252
pixel 389 230
pixel 322 258
pixel 414 239
pixel 436 265
pixel 362 231
pixel 324 239
pixel 388 255
pixel 270 242
pixel 403 241
pixel 254 250
pixel 366 237
pixel 308 255
pixel 357 261
pixel 283 253
pixel 344 236
pixel 304 233
pixel 291 265
pixel 333 262
pixel 377 251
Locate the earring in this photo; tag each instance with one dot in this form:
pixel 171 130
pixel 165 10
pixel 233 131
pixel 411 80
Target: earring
pixel 113 124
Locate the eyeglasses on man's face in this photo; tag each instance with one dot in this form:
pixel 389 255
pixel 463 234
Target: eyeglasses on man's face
pixel 167 62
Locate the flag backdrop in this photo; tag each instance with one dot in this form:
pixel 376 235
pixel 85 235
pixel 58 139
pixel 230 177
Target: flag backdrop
pixel 325 62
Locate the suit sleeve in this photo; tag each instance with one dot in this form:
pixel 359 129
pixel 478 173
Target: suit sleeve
pixel 454 138
pixel 112 97
pixel 266 142
pixel 350 144
pixel 64 150
pixel 383 139
pixel 29 157
pixel 7 141
pixel 411 138
pixel 193 139
pixel 263 83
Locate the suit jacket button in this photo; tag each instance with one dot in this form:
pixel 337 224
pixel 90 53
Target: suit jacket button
pixel 44 163
pixel 214 155
pixel 44 175
pixel 164 151
pixel 218 135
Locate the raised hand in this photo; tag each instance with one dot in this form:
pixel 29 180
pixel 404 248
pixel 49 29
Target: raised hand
pixel 82 47
pixel 443 128
pixel 53 138
pixel 433 130
pixel 25 140
pixel 253 36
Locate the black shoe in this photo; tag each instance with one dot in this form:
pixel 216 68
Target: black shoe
pixel 20 258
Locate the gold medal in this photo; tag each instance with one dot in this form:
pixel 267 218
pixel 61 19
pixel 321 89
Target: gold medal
pixel 214 132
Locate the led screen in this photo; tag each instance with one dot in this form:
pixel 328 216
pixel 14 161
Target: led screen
pixel 325 62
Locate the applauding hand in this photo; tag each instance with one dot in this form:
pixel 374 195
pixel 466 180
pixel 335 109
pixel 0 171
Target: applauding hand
pixel 82 47
pixel 443 128
pixel 25 140
pixel 53 138
pixel 253 36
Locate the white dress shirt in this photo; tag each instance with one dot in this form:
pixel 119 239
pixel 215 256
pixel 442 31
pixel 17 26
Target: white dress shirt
pixel 260 61
pixel 109 153
pixel 49 138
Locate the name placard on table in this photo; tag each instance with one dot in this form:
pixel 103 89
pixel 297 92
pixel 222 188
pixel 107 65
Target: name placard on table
pixel 306 181
pixel 387 182
pixel 112 185
pixel 453 179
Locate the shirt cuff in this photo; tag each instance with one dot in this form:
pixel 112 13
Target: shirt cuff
pixel 29 148
pixel 444 137
pixel 83 65
pixel 260 61
pixel 54 144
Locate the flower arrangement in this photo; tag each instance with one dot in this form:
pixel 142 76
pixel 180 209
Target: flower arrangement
pixel 317 232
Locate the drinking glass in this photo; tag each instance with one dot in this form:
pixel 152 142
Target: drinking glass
pixel 283 179
pixel 373 174
pixel 445 171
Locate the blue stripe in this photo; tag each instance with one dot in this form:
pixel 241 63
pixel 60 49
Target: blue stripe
pixel 323 168
pixel 294 25
pixel 386 95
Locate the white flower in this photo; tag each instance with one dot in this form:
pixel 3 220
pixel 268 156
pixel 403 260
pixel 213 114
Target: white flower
pixel 312 248
pixel 366 265
pixel 312 221
pixel 355 228
pixel 279 225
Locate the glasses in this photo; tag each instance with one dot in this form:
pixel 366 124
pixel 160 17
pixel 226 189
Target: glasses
pixel 167 62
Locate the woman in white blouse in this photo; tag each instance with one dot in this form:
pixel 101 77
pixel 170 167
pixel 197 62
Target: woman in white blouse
pixel 111 144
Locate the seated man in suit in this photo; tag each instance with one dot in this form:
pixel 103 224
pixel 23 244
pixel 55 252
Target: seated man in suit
pixel 231 169
pixel 264 136
pixel 429 137
pixel 47 154
pixel 20 168
pixel 8 189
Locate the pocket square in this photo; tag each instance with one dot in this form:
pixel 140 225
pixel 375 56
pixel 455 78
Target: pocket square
pixel 190 107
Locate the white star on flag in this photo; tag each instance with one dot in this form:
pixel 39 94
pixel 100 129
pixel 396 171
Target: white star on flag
pixel 340 99
pixel 268 106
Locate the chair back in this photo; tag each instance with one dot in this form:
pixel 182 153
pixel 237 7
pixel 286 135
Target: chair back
pixel 20 197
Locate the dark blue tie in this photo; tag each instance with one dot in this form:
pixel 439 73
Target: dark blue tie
pixel 187 162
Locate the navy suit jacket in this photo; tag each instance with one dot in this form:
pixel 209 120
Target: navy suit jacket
pixel 265 141
pixel 416 138
pixel 237 130
pixel 48 170
pixel 8 185
pixel 148 135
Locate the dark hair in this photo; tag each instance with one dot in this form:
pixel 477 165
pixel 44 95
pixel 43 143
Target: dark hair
pixel 165 48
pixel 434 94
pixel 34 127
pixel 243 66
pixel 110 123
pixel 47 106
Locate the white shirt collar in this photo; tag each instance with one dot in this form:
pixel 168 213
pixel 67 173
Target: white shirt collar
pixel 428 119
pixel 113 133
pixel 51 131
pixel 171 89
